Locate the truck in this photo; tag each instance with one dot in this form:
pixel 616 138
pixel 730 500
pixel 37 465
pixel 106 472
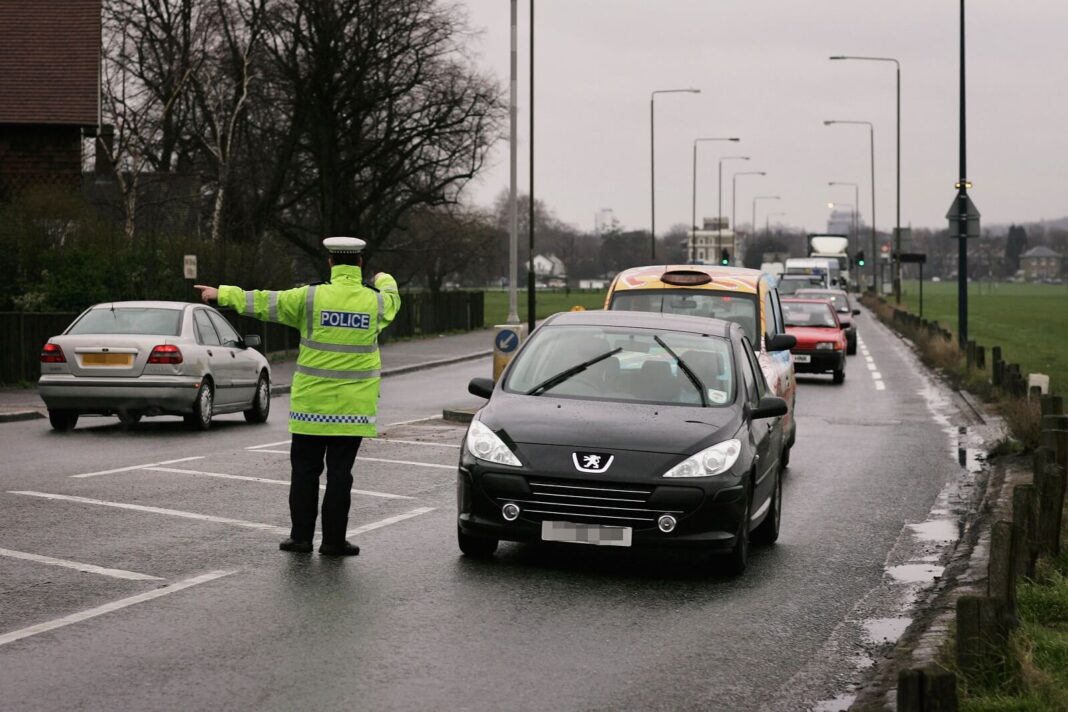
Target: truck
pixel 832 247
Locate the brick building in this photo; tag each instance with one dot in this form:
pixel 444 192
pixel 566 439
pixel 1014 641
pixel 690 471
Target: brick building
pixel 1040 263
pixel 49 90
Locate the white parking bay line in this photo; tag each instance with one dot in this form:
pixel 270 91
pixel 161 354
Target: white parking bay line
pixel 880 386
pixel 139 467
pixel 871 365
pixel 877 376
pixel 388 520
pixel 110 607
pixel 417 420
pixel 415 442
pixel 268 480
pixel 273 452
pixel 406 462
pixel 280 442
pixel 78 566
pixel 158 510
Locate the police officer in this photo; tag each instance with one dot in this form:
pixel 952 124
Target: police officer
pixel 335 388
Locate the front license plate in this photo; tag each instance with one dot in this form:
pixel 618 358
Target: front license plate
pixel 107 359
pixel 597 534
pixel 802 358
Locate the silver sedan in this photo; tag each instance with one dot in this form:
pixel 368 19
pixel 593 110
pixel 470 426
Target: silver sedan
pixel 133 359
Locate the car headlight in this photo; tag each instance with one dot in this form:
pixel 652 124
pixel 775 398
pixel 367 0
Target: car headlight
pixel 825 346
pixel 484 444
pixel 714 460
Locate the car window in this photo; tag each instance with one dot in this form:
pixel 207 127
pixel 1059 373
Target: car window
pixel 769 315
pixel 841 301
pixel 729 306
pixel 206 334
pixel 758 373
pixel 226 332
pixel 809 314
pixel 642 370
pixel 780 323
pixel 129 320
pixel 749 377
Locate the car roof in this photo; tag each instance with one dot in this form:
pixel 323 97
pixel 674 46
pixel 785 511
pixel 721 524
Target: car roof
pixel 144 304
pixel 734 279
pixel 644 320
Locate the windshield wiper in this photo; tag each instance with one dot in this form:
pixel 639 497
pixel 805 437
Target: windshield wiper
pixel 568 373
pixel 686 369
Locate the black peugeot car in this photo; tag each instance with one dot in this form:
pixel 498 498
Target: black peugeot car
pixel 626 429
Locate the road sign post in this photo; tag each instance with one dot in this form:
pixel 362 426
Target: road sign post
pixel 506 342
pixel 917 258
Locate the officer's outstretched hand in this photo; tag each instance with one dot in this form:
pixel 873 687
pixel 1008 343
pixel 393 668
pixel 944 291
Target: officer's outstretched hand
pixel 207 294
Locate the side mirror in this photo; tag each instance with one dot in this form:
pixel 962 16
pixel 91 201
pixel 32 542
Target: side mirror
pixel 251 341
pixel 769 407
pixel 856 312
pixel 481 387
pixel 780 342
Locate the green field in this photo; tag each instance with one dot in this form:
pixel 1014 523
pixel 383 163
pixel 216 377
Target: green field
pixel 1028 321
pixel 549 301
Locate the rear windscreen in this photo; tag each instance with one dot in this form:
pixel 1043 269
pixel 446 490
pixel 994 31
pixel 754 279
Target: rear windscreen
pixel 729 306
pixel 129 320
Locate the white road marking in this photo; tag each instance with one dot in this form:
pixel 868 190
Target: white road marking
pixel 273 452
pixel 110 607
pixel 78 566
pixel 871 365
pixel 417 420
pixel 868 358
pixel 414 442
pixel 138 467
pixel 388 520
pixel 225 476
pixel 880 386
pixel 158 510
pixel 877 376
pixel 377 459
pixel 280 442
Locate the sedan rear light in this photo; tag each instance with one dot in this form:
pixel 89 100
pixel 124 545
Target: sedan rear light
pixel 165 353
pixel 52 353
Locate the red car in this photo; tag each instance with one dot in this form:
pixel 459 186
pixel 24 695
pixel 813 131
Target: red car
pixel 821 341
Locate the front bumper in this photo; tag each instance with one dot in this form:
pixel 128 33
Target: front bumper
pixel 820 361
pixel 709 513
pixel 107 396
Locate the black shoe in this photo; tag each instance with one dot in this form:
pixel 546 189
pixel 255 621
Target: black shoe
pixel 297 547
pixel 342 549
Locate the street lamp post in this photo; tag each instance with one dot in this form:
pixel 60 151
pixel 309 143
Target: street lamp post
pixel 755 199
pixel 693 208
pixel 874 239
pixel 856 209
pixel 719 207
pixel 897 230
pixel 767 222
pixel 652 161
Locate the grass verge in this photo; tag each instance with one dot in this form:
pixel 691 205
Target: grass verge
pixel 547 303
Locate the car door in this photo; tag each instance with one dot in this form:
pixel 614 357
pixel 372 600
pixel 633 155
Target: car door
pixel 766 433
pixel 242 367
pixel 217 356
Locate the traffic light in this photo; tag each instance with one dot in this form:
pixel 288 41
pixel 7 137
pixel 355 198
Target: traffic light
pixel 860 258
pixel 724 257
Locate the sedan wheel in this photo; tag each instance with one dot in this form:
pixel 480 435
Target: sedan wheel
pixel 129 420
pixel 735 563
pixel 200 419
pixel 261 403
pixel 768 531
pixel 63 420
pixel 839 376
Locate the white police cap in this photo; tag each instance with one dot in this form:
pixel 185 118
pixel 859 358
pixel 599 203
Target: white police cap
pixel 344 245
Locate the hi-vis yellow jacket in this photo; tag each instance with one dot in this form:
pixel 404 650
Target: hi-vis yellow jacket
pixel 335 388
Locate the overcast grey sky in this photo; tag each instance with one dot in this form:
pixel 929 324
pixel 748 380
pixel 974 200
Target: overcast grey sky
pixel 764 74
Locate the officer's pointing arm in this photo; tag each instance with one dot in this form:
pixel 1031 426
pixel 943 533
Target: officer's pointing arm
pixel 284 307
pixel 387 287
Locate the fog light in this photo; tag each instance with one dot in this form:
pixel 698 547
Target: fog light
pixel 510 512
pixel 666 523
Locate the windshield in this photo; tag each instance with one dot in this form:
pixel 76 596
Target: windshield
pixel 841 303
pixel 808 314
pixel 129 320
pixel 638 370
pixel 730 306
pixel 790 286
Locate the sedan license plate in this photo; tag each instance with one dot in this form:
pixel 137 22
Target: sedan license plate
pixel 107 359
pixel 802 358
pixel 596 534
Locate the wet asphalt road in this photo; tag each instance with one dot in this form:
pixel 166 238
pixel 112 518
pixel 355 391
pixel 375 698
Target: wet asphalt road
pixel 410 624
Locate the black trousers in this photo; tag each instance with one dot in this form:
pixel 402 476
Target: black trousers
pixel 306 454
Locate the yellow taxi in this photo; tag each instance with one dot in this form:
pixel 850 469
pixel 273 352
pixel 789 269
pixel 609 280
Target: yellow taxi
pixel 744 296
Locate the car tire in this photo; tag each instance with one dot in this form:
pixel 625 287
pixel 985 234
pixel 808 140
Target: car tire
pixel 128 420
pixel 784 459
pixel 736 561
pixel 475 547
pixel 851 347
pixel 261 403
pixel 839 376
pixel 200 418
pixel 63 421
pixel 768 531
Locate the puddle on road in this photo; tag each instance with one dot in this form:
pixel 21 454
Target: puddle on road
pixel 885 630
pixel 838 704
pixel 936 530
pixel 915 573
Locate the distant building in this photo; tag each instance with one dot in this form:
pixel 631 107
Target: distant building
pixel 549 269
pixel 49 91
pixel 840 222
pixel 707 244
pixel 1040 263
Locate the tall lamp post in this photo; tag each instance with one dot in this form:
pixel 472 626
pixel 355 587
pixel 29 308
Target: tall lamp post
pixel 856 209
pixel 874 239
pixel 693 208
pixel 652 162
pixel 767 222
pixel 719 207
pixel 897 229
pixel 755 199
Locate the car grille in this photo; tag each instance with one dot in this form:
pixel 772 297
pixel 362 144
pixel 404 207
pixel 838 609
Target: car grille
pixel 590 501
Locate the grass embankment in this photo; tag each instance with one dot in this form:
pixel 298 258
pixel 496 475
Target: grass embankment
pixel 1028 321
pixel 548 302
pixel 1034 676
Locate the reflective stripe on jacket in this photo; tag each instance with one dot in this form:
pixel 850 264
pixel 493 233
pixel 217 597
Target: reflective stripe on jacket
pixel 335 387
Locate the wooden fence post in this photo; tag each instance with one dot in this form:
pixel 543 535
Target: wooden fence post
pixel 969 354
pixel 1023 521
pixel 980 357
pixel 927 689
pixel 1052 404
pixel 1001 569
pixel 982 633
pixel 1049 493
